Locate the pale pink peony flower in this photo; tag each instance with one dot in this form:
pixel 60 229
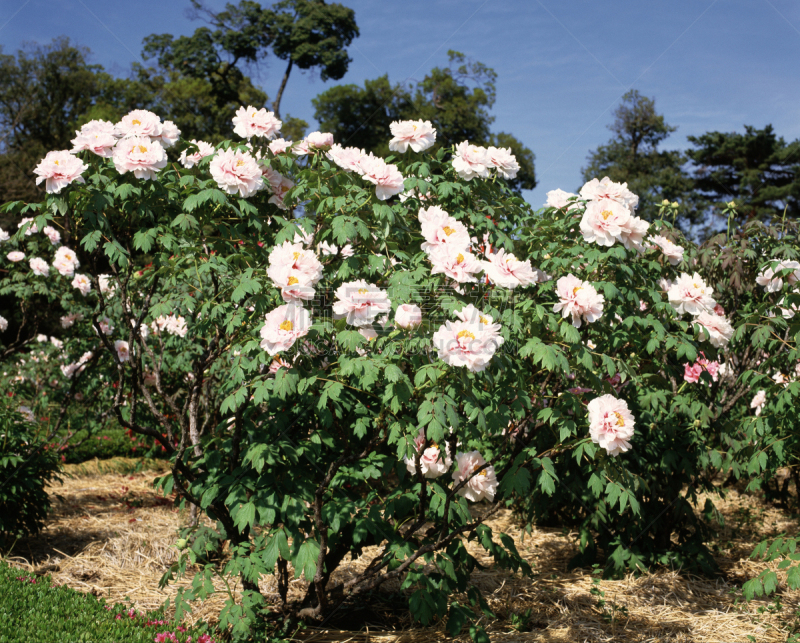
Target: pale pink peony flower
pixel 236 172
pixel 506 271
pixel 387 178
pixel 466 344
pixel 82 283
pixel 408 316
pixel 771 283
pixel 347 251
pixel 439 228
pixel 169 135
pixel 39 267
pixel 559 199
pixel 610 424
pixel 482 485
pixel 347 158
pixel 29 230
pixel 491 330
pixel 360 303
pixel 52 234
pixel 716 329
pixel 97 137
pixel 596 190
pixel 252 122
pixel 579 299
pixel 140 155
pixel 3 323
pixel 327 249
pixel 603 222
pixel 432 463
pixel 294 284
pixel 458 264
pixel 283 326
pixel 300 148
pixel 691 372
pixel 471 161
pixel 787 311
pixel 15 256
pixel 106 286
pixel 319 140
pixel 758 402
pixel 633 233
pixel 58 170
pixel 106 326
pixel 690 294
pixel 138 123
pixel 295 257
pixel 418 135
pixel 279 185
pixel 189 160
pixel 503 161
pixel 4 236
pixel 279 146
pixel 277 364
pixel 123 351
pixel 672 251
pixel 68 320
pixel 65 261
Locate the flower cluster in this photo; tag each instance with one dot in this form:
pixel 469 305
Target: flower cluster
pixel 609 215
pixel 692 372
pixel 474 161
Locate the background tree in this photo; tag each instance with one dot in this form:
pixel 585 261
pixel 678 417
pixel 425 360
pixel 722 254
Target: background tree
pixel 758 170
pixel 456 100
pixel 632 156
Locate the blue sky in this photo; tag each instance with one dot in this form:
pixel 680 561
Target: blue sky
pixel 710 64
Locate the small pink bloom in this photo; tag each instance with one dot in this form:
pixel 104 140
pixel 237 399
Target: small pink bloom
pixel 123 352
pixel 596 190
pixel 58 170
pixel 482 485
pixel 139 123
pixel 418 135
pixel 758 402
pixel 82 283
pixel 255 122
pixel 236 172
pixel 579 299
pixel 295 257
pixel 15 256
pixel 503 161
pixel 559 199
pixel 408 316
pixel 347 158
pixel 140 155
pixel 432 463
pixel 691 373
pixel 52 234
pixel 471 161
pixel 190 159
pixel 611 424
pixel 319 140
pixel 3 323
pixel 96 137
pixel 169 135
pixel 283 327
pixel 387 178
pixel 347 251
pixel 506 271
pixel 690 294
pixel 771 283
pixel 277 364
pixel 633 233
pixel 458 264
pixel 39 267
pixel 716 329
pixel 672 251
pixel 68 320
pixel 65 261
pixel 328 249
pixel 279 146
pixel 719 310
pixel 360 303
pixel 4 236
pixel 467 344
pixel 439 228
pixel 603 222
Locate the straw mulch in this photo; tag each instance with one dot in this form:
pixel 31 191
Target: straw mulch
pixel 110 534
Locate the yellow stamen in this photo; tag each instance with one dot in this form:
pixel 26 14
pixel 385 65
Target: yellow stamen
pixel 448 230
pixel 620 421
pixel 296 256
pixel 293 281
pixel 239 163
pixel 482 319
pixel 460 258
pixel 465 333
pixel 575 290
pixel 605 214
pixel 56 162
pixel 136 122
pixel 142 149
pixel 287 325
pixel 362 291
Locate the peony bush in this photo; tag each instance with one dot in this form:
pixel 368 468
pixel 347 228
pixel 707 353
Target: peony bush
pixel 343 352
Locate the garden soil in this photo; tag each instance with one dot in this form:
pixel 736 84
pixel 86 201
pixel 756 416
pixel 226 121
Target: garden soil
pixel 112 535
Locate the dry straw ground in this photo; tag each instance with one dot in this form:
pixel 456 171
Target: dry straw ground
pixel 110 534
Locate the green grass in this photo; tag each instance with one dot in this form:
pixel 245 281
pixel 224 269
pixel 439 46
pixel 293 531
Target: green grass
pixel 33 610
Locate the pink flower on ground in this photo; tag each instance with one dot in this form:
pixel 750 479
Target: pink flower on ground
pixel 418 135
pixel 603 222
pixel 360 303
pixel 279 146
pixel 123 352
pixel 610 424
pixel 439 228
pixel 672 251
pixel 236 172
pixel 96 137
pixel 386 177
pixel 579 299
pixel 347 158
pixel 82 283
pixel 758 402
pixel 283 326
pixel 52 234
pixel 252 122
pixel 596 190
pixel 39 267
pixel 58 170
pixel 559 199
pixel 138 123
pixel 140 155
pixel 503 161
pixel 169 135
pixel 408 316
pixel 15 256
pixel 479 486
pixel 191 158
pixel 432 463
pixel 690 294
pixel 458 264
pixel 65 261
pixel 716 329
pixel 471 161
pixel 319 140
pixel 506 271
pixel 771 283
pixel 467 344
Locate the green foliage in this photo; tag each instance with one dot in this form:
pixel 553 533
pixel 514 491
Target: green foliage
pixel 27 465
